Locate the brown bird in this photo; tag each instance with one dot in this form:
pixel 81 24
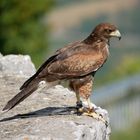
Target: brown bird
pixel 77 63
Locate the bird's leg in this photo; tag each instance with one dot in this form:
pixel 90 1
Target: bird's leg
pixel 90 105
pixel 83 88
pixel 73 86
pixel 84 91
pixel 78 102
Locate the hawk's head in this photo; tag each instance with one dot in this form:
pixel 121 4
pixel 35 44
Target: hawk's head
pixel 106 31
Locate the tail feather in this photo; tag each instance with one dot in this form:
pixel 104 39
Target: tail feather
pixel 24 93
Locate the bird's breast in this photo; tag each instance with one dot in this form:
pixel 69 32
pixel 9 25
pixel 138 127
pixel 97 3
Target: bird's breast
pixel 105 52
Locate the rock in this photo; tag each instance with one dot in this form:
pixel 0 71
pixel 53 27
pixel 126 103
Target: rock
pixel 1 55
pixel 48 114
pixel 17 64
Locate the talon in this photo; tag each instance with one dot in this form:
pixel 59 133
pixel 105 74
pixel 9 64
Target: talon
pixel 91 110
pixel 81 109
pixel 79 104
pixel 93 114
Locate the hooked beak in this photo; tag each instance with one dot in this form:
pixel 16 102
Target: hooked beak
pixel 116 33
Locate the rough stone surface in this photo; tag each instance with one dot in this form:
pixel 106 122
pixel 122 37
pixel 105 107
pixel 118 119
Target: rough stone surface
pixel 16 64
pixel 48 114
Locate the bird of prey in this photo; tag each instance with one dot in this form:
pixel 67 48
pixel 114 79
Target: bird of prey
pixel 77 62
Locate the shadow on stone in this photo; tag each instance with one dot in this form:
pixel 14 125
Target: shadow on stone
pixel 49 111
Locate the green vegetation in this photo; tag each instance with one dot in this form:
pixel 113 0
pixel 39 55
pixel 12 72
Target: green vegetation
pixel 128 66
pixel 130 134
pixel 22 29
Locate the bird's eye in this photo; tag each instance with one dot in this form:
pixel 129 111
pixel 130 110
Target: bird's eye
pixel 108 30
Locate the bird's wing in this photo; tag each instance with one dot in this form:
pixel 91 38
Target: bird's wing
pixel 74 62
pixel 50 60
pixel 75 66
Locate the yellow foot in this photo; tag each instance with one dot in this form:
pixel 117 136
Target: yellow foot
pixel 93 114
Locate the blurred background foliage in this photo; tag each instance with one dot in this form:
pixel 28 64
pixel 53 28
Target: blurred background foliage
pixel 132 133
pixel 21 27
pixel 38 28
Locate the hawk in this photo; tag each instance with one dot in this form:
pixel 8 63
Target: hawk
pixel 76 63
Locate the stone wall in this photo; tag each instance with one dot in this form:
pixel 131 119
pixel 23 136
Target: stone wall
pixel 48 114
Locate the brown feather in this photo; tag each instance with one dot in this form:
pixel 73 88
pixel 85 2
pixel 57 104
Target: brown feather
pixel 77 60
pixel 23 94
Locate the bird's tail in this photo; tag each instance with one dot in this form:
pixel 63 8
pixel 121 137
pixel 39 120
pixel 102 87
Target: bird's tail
pixel 24 93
